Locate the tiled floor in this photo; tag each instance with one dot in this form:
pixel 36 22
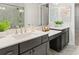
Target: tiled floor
pixel 69 50
pixel 77 38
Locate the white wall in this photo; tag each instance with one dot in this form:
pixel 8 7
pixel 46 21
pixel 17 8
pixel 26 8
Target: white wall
pixel 32 14
pixel 72 25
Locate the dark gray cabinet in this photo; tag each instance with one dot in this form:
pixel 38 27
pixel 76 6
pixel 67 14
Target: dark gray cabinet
pixel 56 44
pixel 40 50
pixel 29 44
pixel 65 37
pixel 48 48
pixel 12 50
pixel 36 46
pixel 44 38
pixel 59 42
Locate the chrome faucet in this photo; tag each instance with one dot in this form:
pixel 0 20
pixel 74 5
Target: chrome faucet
pixel 16 29
pixel 21 30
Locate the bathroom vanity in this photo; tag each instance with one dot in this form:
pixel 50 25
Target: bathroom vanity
pixel 33 44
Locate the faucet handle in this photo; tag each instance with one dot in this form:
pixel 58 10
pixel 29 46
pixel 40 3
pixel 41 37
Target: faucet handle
pixel 21 30
pixel 24 29
pixel 17 29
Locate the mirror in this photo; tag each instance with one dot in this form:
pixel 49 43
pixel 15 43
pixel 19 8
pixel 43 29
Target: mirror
pixel 12 13
pixel 32 14
pixel 45 14
pixel 59 12
pixel 36 14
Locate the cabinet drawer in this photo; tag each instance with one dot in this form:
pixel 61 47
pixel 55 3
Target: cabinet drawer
pixel 54 36
pixel 12 50
pixel 44 38
pixel 29 44
pixel 65 30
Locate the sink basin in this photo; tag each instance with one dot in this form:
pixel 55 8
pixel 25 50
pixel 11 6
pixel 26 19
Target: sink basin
pixel 6 37
pixel 6 33
pixel 2 34
pixel 21 36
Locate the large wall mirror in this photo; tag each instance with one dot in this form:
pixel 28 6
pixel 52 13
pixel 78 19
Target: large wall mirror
pixel 12 13
pixel 45 14
pixel 36 14
pixel 33 14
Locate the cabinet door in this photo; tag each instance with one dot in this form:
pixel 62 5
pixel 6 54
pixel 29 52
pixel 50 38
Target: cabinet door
pixel 29 44
pixel 47 48
pixel 40 50
pixel 44 38
pixel 12 50
pixel 67 36
pixel 63 41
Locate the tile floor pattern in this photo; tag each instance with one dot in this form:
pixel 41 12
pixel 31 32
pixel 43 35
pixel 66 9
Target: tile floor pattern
pixel 77 38
pixel 69 50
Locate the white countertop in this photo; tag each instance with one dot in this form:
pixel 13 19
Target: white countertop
pixel 60 27
pixel 15 39
pixel 53 32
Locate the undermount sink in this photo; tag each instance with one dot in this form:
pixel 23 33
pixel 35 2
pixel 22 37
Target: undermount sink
pixel 6 33
pixel 3 36
pixel 21 36
pixel 6 37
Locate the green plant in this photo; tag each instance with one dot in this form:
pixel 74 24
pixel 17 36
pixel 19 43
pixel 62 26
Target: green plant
pixel 4 25
pixel 59 22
